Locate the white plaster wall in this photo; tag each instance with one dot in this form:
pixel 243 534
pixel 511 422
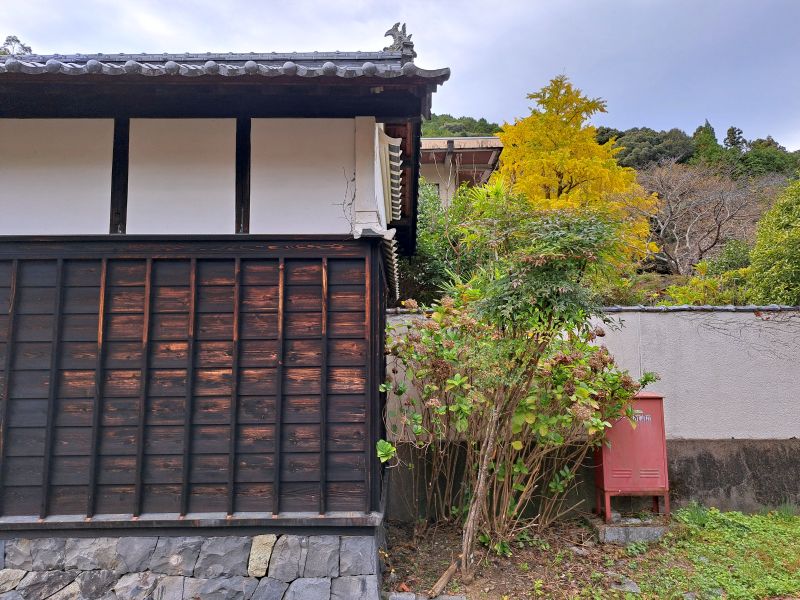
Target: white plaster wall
pixel 55 176
pixel 182 176
pixel 302 176
pixel 723 374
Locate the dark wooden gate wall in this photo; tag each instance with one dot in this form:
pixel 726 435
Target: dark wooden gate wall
pixel 215 375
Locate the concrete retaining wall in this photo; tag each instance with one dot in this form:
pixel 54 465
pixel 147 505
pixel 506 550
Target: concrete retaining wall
pixel 262 567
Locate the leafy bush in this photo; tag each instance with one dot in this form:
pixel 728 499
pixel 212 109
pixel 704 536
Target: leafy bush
pixel 775 270
pixel 735 255
pixel 439 252
pixel 504 367
pixel 730 287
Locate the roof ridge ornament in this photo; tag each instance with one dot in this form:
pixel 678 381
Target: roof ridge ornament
pixel 401 41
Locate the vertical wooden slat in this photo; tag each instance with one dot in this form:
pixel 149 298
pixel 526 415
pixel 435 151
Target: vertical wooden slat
pixel 243 126
pixel 12 309
pixel 374 324
pixel 97 401
pixel 323 399
pixel 276 478
pixel 379 376
pixel 189 404
pixel 140 430
pixel 52 389
pixel 370 382
pixel 234 412
pixel 119 176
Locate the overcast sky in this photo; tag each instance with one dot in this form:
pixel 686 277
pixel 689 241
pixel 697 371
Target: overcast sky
pixel 658 63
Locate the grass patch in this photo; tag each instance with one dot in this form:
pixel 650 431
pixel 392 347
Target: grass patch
pixel 715 553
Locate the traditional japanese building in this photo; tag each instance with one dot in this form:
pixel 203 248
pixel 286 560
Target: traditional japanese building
pixel 448 163
pixel 195 255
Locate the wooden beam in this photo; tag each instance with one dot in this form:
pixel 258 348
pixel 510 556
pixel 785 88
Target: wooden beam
pixel 243 127
pixel 276 477
pixel 119 176
pixel 234 408
pixel 97 401
pixel 186 467
pixel 142 419
pixel 52 388
pixel 12 308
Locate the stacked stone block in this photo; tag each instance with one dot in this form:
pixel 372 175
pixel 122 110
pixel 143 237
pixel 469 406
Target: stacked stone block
pixel 262 567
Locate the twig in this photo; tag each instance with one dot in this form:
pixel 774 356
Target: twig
pixel 442 582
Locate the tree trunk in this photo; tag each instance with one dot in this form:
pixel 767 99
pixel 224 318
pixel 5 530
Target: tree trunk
pixel 479 497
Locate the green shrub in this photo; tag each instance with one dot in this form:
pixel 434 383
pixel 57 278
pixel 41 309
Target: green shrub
pixel 775 267
pixel 703 288
pixel 735 255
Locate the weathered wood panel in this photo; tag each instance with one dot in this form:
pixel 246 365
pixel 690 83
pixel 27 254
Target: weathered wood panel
pixel 141 376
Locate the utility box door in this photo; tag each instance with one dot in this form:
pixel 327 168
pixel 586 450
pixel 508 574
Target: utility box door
pixel 636 460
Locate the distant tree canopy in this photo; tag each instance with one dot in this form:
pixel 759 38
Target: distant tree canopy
pixel 13 45
pixel 449 126
pixel 641 146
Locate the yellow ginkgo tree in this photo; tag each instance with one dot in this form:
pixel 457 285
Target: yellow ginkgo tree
pixel 553 158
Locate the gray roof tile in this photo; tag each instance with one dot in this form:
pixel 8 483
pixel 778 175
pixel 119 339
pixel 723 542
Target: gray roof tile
pixel 382 64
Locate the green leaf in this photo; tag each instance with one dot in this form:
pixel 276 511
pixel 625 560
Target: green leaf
pixel 386 451
pixel 516 445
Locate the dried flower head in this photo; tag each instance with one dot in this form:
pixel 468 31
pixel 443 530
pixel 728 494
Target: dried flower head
pixel 581 411
pixel 433 403
pixel 410 304
pixel 596 362
pixel 629 384
pixel 569 387
pixel 599 331
pixel 431 325
pixel 441 368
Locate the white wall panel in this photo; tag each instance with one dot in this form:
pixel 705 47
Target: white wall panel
pixel 55 176
pixel 182 176
pixel 302 173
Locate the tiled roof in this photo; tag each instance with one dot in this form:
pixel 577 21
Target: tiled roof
pixel 383 64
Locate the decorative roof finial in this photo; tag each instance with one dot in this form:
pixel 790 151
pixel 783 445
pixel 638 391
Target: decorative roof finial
pixel 401 41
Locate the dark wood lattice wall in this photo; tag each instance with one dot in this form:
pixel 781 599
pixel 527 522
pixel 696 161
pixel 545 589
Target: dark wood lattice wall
pixel 156 377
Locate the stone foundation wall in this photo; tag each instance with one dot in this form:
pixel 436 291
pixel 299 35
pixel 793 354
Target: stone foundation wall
pixel 262 567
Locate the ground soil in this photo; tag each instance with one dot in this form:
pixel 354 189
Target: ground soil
pixel 563 561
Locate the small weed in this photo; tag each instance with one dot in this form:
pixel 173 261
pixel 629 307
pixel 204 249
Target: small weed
pixel 695 514
pixel 787 510
pixel 636 548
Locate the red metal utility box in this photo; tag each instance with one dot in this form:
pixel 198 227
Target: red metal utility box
pixel 634 462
